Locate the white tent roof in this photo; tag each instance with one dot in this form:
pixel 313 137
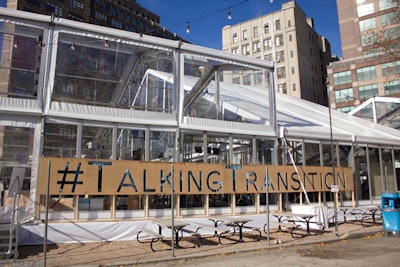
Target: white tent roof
pixel 302 119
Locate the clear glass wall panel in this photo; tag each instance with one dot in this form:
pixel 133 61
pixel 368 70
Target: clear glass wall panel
pixel 328 154
pixel 96 142
pixel 388 175
pixel 113 73
pixel 377 183
pixel 208 92
pixel 220 200
pixel 162 146
pixel 312 154
pixel 16 147
pixel 130 144
pixel 193 148
pixel 245 200
pixel 346 158
pixel 60 140
pixel 242 151
pixel 192 201
pixel 361 179
pixel 397 168
pixel 21 52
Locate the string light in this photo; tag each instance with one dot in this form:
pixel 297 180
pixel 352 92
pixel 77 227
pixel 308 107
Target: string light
pixel 229 14
pixel 210 14
pixel 106 43
pixel 73 46
pixel 187 27
pixel 15 44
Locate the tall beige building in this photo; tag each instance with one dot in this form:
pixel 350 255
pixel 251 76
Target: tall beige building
pixel 287 37
pixel 370 32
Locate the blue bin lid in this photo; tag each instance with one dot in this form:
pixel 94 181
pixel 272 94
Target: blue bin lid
pixel 391 195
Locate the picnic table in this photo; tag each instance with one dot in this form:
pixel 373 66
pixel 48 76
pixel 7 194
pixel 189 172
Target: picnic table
pixel 294 218
pixel 366 212
pixel 176 227
pixel 235 221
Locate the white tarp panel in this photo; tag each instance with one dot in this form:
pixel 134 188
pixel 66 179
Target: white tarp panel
pixel 226 127
pixel 19 105
pixel 111 115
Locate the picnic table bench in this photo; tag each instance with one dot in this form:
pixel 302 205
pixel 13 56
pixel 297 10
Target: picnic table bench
pixel 148 235
pixel 213 231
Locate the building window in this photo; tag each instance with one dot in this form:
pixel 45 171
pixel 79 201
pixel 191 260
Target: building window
pixel 363 10
pixel 258 77
pixel 246 49
pixel 244 37
pixel 290 38
pixel 294 87
pixel 268 43
pixel 342 77
pixel 100 16
pixel 372 51
pixel 368 39
pixel 235 51
pixel 266 28
pixel 277 24
pixel 279 40
pixel 386 4
pixel 116 24
pixel 389 19
pixel 391 34
pixel 268 57
pixel 392 87
pixel 344 95
pixel 367 73
pixel 247 79
pixel 368 91
pixel 256 47
pixel 391 68
pixel 255 31
pixel 280 56
pixel 51 8
pixel 282 88
pixel 281 72
pixel 367 24
pixel 291 53
pixel 236 80
pixel 345 109
pixel 293 70
pixel 289 23
pixel 234 38
pixel 75 4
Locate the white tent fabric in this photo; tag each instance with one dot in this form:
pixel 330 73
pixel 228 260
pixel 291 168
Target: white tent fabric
pixel 302 119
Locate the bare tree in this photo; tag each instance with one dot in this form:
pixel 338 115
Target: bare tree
pixel 388 40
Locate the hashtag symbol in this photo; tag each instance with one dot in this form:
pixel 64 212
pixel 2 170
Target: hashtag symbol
pixel 64 181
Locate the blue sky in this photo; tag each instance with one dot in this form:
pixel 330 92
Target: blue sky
pixel 206 22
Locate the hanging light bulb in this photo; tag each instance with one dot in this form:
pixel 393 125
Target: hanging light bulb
pixel 106 43
pixel 229 14
pixel 271 1
pixel 187 27
pixel 73 46
pixel 15 44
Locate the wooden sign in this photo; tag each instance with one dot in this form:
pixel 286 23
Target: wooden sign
pixel 71 176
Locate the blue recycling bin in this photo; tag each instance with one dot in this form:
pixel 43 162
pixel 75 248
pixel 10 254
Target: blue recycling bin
pixel 391 213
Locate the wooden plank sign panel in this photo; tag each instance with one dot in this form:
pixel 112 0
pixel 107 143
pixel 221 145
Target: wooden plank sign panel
pixel 71 176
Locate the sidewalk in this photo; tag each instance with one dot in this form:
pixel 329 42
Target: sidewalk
pixel 131 252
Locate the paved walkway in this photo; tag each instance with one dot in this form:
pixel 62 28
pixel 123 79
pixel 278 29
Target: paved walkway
pixel 131 252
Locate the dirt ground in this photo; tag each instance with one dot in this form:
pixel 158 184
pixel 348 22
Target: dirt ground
pixel 131 252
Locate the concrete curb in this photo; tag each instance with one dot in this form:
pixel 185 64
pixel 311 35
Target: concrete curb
pixel 209 254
